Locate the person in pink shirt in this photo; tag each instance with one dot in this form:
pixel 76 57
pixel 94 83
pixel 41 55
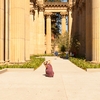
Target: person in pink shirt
pixel 49 70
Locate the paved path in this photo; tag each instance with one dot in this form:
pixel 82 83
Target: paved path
pixel 68 83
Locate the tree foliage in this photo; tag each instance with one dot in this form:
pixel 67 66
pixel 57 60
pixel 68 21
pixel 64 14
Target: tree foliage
pixel 63 42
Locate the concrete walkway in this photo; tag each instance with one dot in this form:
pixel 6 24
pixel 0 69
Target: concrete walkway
pixel 68 83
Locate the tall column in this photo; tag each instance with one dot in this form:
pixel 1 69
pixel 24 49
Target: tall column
pixel 17 25
pixel 96 31
pixel 83 31
pixel 48 33
pixel 63 15
pixel 27 30
pixel 6 28
pixel 80 31
pixel 41 32
pixel 70 23
pixel 36 21
pixel 32 32
pixel 88 30
pixel 1 30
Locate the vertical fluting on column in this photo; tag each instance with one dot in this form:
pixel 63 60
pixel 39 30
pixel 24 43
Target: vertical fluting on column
pixel 96 31
pixel 32 30
pixel 48 33
pixel 63 16
pixel 83 31
pixel 80 31
pixel 17 25
pixel 89 30
pixel 36 21
pixel 6 28
pixel 41 32
pixel 1 30
pixel 27 29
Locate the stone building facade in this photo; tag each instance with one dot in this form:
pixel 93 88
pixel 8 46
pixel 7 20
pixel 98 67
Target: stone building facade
pixel 23 24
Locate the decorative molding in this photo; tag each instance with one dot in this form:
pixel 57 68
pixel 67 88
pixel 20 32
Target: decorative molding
pixel 56 4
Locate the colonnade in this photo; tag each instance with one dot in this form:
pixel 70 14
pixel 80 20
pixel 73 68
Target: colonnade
pixel 22 29
pixel 85 24
pixel 48 29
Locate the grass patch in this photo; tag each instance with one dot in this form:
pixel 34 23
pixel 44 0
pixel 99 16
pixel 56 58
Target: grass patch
pixel 33 63
pixel 82 63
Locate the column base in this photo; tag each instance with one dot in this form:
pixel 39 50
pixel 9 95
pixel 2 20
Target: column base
pixel 95 62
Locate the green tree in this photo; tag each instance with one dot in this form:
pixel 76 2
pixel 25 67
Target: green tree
pixel 63 42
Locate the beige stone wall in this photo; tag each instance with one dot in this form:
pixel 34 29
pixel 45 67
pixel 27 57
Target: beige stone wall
pixel 1 30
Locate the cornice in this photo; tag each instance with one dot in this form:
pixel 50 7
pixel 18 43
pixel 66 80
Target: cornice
pixel 56 4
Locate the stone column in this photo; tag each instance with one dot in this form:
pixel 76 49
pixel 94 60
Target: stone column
pixel 63 15
pixel 96 31
pixel 6 28
pixel 70 23
pixel 41 32
pixel 27 30
pixel 88 30
pixel 36 21
pixel 48 33
pixel 1 30
pixel 32 32
pixel 80 31
pixel 17 31
pixel 83 30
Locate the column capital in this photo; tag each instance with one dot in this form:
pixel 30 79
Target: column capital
pixel 63 14
pixel 41 7
pixel 32 12
pixel 70 7
pixel 48 14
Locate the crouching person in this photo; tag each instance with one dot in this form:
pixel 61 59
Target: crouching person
pixel 49 70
